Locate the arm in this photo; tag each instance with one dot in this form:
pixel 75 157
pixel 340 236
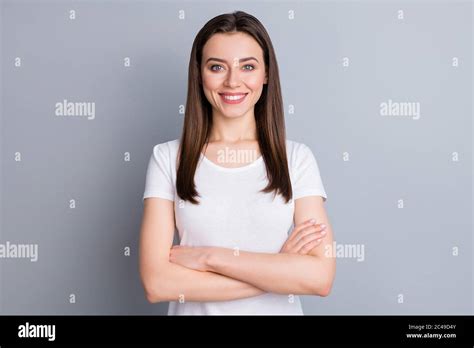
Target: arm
pixel 283 273
pixel 165 281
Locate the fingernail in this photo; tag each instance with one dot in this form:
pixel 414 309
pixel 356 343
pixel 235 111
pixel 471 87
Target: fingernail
pixel 312 221
pixel 323 226
pixel 323 232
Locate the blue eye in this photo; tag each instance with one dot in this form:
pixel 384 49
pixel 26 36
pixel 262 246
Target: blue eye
pixel 212 67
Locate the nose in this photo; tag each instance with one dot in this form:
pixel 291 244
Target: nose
pixel 233 77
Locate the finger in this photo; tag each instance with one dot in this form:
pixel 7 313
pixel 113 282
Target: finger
pixel 309 246
pixel 303 233
pixel 308 230
pixel 308 239
pixel 298 235
pixel 303 225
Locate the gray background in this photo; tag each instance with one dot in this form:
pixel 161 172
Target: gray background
pixel 336 110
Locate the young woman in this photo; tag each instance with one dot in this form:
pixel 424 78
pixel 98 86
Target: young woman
pixel 233 216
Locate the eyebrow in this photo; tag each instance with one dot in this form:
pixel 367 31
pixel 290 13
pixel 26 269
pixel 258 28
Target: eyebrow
pixel 240 60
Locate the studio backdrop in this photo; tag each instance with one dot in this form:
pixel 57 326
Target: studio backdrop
pixel 381 91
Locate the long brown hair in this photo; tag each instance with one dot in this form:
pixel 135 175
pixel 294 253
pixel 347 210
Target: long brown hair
pixel 269 116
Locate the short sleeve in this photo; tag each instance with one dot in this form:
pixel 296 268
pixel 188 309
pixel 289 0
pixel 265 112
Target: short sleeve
pixel 159 181
pixel 307 179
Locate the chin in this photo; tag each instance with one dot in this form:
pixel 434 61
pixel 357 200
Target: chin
pixel 232 115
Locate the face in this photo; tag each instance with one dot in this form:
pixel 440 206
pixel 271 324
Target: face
pixel 233 63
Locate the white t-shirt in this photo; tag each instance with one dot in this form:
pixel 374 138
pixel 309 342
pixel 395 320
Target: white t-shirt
pixel 233 214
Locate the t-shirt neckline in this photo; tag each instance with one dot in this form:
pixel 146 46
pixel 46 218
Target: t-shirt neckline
pixel 235 169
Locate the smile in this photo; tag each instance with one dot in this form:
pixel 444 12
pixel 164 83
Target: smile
pixel 233 99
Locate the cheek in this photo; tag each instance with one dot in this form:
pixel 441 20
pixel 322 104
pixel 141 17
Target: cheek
pixel 210 84
pixel 255 82
pixel 211 81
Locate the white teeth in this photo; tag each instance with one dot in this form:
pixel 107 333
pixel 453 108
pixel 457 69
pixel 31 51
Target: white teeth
pixel 237 97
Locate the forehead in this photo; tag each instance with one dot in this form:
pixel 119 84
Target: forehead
pixel 230 46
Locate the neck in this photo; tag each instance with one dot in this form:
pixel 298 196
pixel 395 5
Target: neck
pixel 233 129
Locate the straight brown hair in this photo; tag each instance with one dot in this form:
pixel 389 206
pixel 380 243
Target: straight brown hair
pixel 269 116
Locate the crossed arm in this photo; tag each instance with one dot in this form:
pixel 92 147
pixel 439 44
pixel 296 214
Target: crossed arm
pixel 218 274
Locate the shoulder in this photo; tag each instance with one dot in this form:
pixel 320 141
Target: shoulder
pixel 167 148
pixel 166 151
pixel 297 152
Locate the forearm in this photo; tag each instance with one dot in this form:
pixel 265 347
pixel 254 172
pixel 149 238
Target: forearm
pixel 279 273
pixel 178 283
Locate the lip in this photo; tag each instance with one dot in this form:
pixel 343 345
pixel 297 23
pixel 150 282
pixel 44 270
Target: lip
pixel 238 101
pixel 235 93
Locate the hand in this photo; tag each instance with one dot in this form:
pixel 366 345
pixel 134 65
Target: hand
pixel 190 257
pixel 304 238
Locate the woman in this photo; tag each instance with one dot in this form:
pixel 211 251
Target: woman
pixel 233 216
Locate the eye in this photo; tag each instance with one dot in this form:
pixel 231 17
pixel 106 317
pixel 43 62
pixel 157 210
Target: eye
pixel 220 66
pixel 212 66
